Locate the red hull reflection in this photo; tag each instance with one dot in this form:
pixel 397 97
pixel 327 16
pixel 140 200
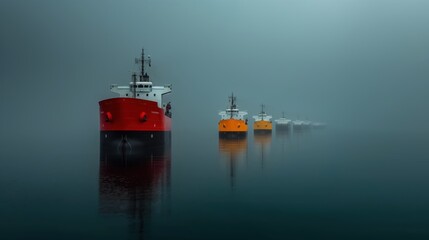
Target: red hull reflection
pixel 129 184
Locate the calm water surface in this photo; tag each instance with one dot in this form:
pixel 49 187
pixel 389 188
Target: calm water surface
pixel 318 184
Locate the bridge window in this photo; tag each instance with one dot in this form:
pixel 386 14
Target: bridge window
pixel 140 85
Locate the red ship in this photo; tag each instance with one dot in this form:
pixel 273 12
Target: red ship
pixel 138 117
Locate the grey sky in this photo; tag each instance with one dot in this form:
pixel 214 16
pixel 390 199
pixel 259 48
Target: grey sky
pixel 361 63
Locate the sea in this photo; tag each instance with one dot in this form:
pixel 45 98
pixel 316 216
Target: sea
pixel 310 184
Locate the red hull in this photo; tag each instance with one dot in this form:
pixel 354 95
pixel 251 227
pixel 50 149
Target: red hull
pixel 132 114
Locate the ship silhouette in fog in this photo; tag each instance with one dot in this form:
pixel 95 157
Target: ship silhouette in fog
pixel 139 116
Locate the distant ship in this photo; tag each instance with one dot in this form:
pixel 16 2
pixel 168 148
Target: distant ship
pixel 306 124
pixel 138 117
pixel 318 125
pixel 298 124
pixel 283 123
pixel 301 124
pixel 232 121
pixel 262 122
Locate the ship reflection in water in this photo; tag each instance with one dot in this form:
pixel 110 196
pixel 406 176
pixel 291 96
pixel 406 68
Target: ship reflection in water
pixel 263 142
pixel 283 132
pixel 130 183
pixel 233 148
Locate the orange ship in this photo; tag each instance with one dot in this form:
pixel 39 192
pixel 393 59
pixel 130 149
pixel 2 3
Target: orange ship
pixel 232 121
pixel 262 122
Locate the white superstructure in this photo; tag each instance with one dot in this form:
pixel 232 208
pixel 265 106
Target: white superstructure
pixel 283 121
pixel 298 123
pixel 262 116
pixel 142 90
pixel 306 123
pixel 318 124
pixel 232 112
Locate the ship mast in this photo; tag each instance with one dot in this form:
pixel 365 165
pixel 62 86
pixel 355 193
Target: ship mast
pixel 142 62
pixel 262 112
pixel 143 75
pixel 232 100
